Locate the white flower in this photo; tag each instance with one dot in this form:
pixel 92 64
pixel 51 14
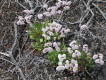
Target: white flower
pixel 60 68
pixel 95 56
pixel 75 69
pixel 70 50
pixel 40 16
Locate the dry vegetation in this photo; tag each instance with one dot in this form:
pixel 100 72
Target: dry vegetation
pixel 19 61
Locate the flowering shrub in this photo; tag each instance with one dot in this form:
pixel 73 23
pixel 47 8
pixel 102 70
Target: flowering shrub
pixel 72 58
pixel 49 38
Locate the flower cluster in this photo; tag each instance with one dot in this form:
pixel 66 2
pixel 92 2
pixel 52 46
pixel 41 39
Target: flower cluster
pixel 52 33
pixel 77 59
pixel 26 19
pixel 51 11
pixel 98 58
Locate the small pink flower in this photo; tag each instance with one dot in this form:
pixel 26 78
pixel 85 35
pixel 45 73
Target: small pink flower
pixel 48 44
pixel 66 7
pixel 71 65
pixel 20 18
pixel 64 56
pixel 60 68
pixel 50 33
pixel 75 47
pixel 29 11
pixel 57 49
pixel 48 37
pixel 44 35
pixel 68 3
pixel 20 23
pixel 28 17
pixel 77 53
pixel 99 61
pixel 53 12
pixel 40 16
pixel 76 65
pixel 44 30
pixel 59 11
pixel 58 4
pixel 67 61
pixel 89 54
pixel 60 58
pixel 60 63
pixel 67 66
pixel 58 43
pixel 83 27
pixel 62 35
pixel 95 56
pixel 45 6
pixel 100 56
pixel 85 47
pixel 64 3
pixel 70 50
pixel 75 69
pixel 74 61
pixel 67 30
pixel 55 44
pixel 72 43
pixel 45 50
pixel 47 14
pixel 74 55
pixel 50 49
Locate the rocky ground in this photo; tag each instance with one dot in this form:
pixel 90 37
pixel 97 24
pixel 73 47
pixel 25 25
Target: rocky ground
pixel 31 63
